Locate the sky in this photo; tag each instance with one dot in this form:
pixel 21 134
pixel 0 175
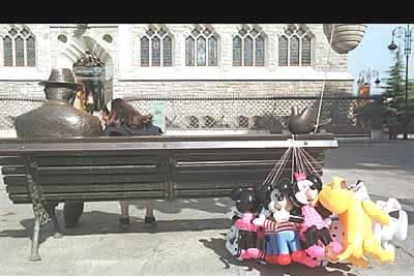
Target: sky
pixel 372 53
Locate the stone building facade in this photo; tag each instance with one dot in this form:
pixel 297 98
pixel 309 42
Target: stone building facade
pixel 177 60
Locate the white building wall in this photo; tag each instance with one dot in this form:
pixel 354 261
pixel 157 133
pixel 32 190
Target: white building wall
pixel 131 79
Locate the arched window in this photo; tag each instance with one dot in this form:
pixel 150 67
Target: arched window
pixel 19 48
pixel 295 46
pixel 156 48
pixel 283 51
pixel 201 47
pixel 249 47
pixel 189 51
pixel 237 51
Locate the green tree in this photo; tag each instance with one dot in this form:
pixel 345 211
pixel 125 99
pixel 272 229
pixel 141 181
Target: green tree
pixel 394 89
pixel 411 99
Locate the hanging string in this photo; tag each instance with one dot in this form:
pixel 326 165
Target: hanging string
pixel 308 156
pixel 324 79
pixel 299 160
pixel 304 161
pixel 308 164
pixel 277 169
pixel 281 167
pixel 293 158
pixel 274 171
pixel 311 161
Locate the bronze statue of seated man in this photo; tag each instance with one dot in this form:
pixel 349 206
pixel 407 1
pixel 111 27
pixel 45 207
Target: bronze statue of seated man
pixel 57 118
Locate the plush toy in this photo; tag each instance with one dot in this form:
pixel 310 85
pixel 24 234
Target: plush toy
pixel 282 242
pixel 398 227
pixel 242 240
pixel 313 231
pixel 337 233
pixel 356 217
pixel 397 230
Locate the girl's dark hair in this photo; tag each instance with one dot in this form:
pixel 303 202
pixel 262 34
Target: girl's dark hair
pixel 124 113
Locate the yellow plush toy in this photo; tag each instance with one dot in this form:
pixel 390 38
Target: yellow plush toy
pixel 356 218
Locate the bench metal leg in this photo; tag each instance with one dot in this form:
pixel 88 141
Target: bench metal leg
pixel 34 253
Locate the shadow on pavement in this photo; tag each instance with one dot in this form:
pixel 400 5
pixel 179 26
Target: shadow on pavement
pixel 96 222
pixel 218 246
pixel 210 205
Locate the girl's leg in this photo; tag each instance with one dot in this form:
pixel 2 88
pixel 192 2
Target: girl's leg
pixel 124 208
pixel 124 219
pixel 149 212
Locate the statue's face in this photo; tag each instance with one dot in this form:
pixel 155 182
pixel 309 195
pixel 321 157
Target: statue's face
pixel 60 93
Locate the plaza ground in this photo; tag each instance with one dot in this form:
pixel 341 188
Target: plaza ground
pixel 190 235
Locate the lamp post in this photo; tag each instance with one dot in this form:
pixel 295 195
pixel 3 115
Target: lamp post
pixel 365 77
pixel 407 33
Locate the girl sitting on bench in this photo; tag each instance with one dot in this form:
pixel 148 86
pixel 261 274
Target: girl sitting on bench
pixel 121 119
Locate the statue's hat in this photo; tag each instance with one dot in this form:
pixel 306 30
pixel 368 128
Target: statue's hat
pixel 62 77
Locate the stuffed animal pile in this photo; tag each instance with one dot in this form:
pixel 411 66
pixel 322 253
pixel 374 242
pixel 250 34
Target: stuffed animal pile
pixel 303 221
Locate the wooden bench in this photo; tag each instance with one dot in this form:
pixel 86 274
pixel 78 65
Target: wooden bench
pixel 113 168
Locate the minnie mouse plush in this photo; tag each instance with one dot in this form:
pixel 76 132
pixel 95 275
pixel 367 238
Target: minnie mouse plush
pixel 243 241
pixel 313 231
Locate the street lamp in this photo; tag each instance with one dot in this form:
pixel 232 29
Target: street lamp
pixel 375 74
pixel 398 33
pixel 365 78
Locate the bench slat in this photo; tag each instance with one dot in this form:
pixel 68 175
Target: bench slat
pixel 121 169
pixel 224 176
pixel 81 179
pixel 92 188
pixel 204 193
pixel 109 160
pixel 12 160
pixel 231 165
pixel 14 170
pixel 104 196
pixel 94 196
pixel 209 185
pixel 232 155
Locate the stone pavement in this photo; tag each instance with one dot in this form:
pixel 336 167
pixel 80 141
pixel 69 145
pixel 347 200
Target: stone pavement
pixel 190 235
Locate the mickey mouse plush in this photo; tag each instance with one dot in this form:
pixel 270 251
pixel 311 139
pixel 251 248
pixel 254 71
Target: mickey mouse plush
pixel 313 231
pixel 282 242
pixel 243 241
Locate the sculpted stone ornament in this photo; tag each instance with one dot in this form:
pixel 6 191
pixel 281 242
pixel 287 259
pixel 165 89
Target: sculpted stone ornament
pixel 304 122
pixel 89 60
pixel 57 118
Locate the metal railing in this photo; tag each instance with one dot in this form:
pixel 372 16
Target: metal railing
pixel 191 113
pixel 268 113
